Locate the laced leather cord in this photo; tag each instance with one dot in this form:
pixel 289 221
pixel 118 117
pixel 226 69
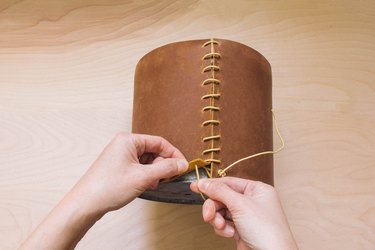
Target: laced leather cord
pixel 213 121
pixel 222 172
pixel 198 178
pixel 210 70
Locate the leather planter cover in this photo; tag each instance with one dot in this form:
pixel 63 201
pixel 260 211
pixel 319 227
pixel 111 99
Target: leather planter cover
pixel 212 99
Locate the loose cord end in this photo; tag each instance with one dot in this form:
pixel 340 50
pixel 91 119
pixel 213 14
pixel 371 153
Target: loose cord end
pixel 198 178
pixel 222 172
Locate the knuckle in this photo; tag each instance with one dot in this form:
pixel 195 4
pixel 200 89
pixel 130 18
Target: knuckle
pixel 159 139
pixel 163 143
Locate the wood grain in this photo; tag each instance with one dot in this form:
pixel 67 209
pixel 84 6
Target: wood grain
pixel 66 85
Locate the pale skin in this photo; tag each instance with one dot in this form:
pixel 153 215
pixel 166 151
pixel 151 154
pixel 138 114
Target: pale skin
pixel 131 163
pixel 249 211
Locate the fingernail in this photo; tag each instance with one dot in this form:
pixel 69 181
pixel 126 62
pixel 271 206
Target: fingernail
pixel 202 185
pixel 229 231
pixel 182 165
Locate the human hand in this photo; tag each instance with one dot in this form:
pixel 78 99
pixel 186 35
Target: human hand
pixel 249 211
pixel 130 164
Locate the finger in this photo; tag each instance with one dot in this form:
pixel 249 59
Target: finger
pixel 194 187
pixel 219 191
pixel 149 158
pixel 218 222
pixel 238 184
pixel 166 168
pixel 157 159
pixel 227 232
pixel 209 209
pixel 226 214
pixel 155 144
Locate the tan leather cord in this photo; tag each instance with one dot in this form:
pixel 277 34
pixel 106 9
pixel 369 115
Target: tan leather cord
pixel 213 121
pixel 198 178
pixel 212 80
pixel 222 172
pixel 236 112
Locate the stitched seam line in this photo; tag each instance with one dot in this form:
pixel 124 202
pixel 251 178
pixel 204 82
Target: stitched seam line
pixel 213 82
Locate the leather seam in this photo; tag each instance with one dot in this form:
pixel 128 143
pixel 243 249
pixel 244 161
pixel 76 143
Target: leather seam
pixel 213 82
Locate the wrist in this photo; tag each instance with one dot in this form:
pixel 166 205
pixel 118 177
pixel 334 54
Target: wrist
pixel 84 196
pixel 65 225
pixel 282 242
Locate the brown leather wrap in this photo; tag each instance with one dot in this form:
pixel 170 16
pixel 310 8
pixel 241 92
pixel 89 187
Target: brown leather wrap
pixel 167 102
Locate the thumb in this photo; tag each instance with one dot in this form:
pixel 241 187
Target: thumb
pixel 167 168
pixel 219 191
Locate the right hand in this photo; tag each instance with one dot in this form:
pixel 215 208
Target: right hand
pixel 249 211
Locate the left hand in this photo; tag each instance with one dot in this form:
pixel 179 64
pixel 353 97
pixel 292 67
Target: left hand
pixel 129 165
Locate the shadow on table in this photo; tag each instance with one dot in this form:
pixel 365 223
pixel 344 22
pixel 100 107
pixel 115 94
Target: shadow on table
pixel 176 226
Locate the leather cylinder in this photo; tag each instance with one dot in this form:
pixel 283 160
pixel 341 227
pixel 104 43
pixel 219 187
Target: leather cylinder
pixel 212 99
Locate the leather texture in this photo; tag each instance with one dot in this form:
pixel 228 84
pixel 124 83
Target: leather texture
pixel 168 102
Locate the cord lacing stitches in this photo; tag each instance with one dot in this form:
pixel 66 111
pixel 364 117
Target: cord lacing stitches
pixel 212 95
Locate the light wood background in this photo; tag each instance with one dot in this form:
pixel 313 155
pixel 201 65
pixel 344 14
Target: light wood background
pixel 66 82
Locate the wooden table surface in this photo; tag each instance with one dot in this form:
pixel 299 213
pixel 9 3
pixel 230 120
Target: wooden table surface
pixel 66 86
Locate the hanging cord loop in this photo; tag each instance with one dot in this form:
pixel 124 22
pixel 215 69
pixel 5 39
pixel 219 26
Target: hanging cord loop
pixel 222 172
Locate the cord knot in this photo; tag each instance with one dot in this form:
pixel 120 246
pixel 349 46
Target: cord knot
pixel 221 173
